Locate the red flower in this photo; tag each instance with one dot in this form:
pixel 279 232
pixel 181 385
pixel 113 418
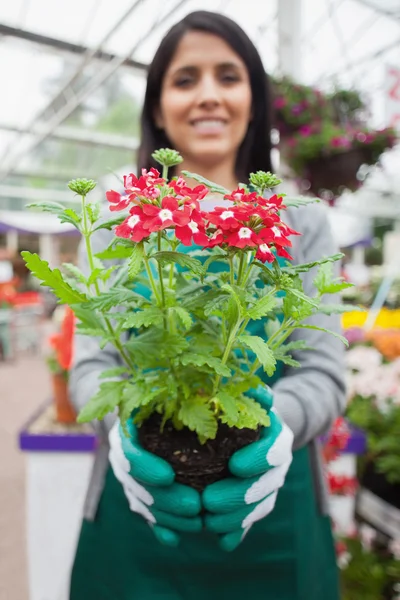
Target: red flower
pixel 166 215
pixel 283 253
pixel 182 190
pixel 193 229
pixel 145 184
pixel 342 485
pixel 242 238
pixel 264 253
pixel 240 195
pixel 117 201
pixel 216 238
pixel 133 226
pixel 228 218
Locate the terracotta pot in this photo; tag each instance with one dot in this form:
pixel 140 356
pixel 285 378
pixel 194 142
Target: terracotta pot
pixel 65 412
pixel 336 172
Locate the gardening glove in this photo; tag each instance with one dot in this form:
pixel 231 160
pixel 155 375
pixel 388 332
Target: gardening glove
pixel 148 483
pixel 234 504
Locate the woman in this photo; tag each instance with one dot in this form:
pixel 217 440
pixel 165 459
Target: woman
pixel 207 97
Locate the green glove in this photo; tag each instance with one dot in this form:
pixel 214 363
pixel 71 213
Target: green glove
pixel 234 504
pixel 148 483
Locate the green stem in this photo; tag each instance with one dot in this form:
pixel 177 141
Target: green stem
pixel 247 273
pixel 165 172
pixel 87 234
pixel 151 278
pixel 231 271
pixel 240 271
pixel 161 281
pixel 228 348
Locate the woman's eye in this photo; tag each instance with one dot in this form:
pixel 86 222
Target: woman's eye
pixel 229 77
pixel 184 81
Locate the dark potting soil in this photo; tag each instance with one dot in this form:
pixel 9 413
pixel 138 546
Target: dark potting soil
pixel 195 464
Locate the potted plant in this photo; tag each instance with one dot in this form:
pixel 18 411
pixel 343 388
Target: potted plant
pixel 374 406
pixel 192 312
pixel 348 107
pixel 329 156
pixel 368 571
pixel 59 363
pixel 296 105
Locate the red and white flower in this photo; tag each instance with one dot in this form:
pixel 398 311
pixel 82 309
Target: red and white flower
pixel 117 201
pixel 133 226
pixel 193 230
pixel 242 237
pixel 166 215
pixel 228 218
pixel 264 253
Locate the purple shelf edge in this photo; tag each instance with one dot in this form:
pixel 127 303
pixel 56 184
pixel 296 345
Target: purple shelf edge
pixel 67 442
pixel 357 443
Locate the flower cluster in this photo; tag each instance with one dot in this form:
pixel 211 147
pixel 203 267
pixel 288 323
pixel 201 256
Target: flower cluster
pixel 342 485
pixel 247 221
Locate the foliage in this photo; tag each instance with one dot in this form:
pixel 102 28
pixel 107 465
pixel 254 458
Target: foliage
pixel 328 139
pixel 374 390
pixel 191 355
pixel 367 574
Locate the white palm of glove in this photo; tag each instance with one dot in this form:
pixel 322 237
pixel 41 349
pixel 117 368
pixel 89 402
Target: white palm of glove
pixel 148 484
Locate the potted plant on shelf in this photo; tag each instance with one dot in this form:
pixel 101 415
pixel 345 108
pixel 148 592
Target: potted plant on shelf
pixel 296 105
pixel 374 406
pixel 328 156
pixel 59 362
pixel 192 288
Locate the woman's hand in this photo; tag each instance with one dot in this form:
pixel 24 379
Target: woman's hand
pixel 234 504
pixel 148 483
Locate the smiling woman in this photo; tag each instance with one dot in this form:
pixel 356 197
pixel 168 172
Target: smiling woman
pixel 207 96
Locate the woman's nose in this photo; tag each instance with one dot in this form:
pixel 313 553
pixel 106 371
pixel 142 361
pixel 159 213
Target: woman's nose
pixel 209 92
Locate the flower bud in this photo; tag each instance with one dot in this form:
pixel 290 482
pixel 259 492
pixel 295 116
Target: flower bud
pixel 82 186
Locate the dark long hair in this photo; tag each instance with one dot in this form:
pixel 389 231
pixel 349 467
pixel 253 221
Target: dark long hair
pixel 255 151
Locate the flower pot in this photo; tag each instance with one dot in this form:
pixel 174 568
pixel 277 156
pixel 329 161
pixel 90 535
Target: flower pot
pixel 64 410
pixel 335 172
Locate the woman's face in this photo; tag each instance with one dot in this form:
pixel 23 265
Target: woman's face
pixel 205 104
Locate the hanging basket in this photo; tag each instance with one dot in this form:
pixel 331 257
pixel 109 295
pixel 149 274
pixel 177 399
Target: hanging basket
pixel 65 412
pixel 335 172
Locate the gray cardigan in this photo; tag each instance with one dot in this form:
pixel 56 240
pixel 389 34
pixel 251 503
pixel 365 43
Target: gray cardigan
pixel 308 398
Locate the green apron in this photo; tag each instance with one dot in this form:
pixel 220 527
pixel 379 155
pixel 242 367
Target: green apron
pixel 289 555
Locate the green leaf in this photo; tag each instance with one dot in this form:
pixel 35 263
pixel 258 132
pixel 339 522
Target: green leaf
pixel 105 401
pixel 337 335
pixel 110 223
pixel 69 215
pixel 297 201
pixel 197 415
pixel 135 261
pixel 251 414
pixel 88 318
pixel 213 258
pixel 199 360
pixel 213 187
pixel 183 315
pixel 216 304
pixel 297 308
pixel 263 352
pixel 183 260
pixel 52 207
pixel 116 296
pixel 227 404
pixel 115 252
pixel 53 279
pixel 303 268
pixel 287 360
pixel 75 272
pixel 93 211
pixel 263 306
pixel 144 318
pixel 101 274
pixel 326 283
pixel 338 309
pixel 114 372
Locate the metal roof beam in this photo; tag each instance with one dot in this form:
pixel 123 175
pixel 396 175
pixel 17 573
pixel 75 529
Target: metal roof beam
pixel 80 136
pixel 67 47
pixel 387 13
